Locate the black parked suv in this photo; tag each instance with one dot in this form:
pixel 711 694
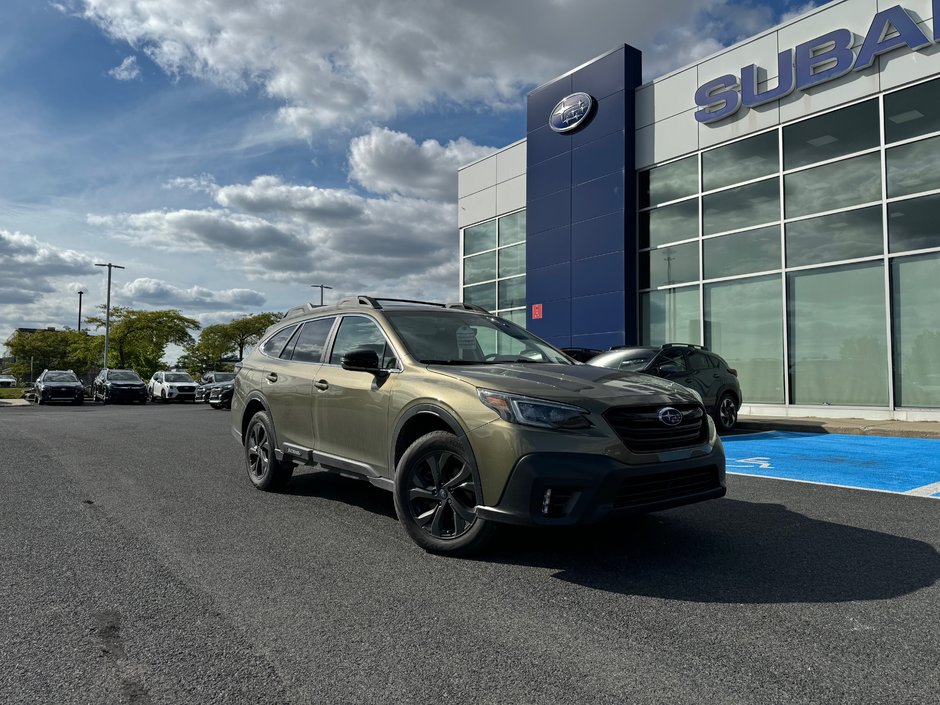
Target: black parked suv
pixel 468 419
pixel 690 365
pixel 59 385
pixel 119 385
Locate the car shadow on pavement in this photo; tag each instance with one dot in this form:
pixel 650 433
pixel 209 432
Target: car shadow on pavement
pixel 728 551
pixel 336 488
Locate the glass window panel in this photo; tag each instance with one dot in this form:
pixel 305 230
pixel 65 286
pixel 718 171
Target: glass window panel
pixel 482 295
pixel 742 253
pixel 912 224
pixel 312 340
pixel 479 268
pixel 913 167
pixel 517 316
pixel 833 186
pixel 913 111
pixel 916 318
pixel 741 161
pixel 669 182
pixel 512 260
pixel 669 224
pixel 834 237
pixel 512 228
pixel 479 237
pixel 670 316
pixel 838 341
pixel 754 204
pixel 355 333
pixel 669 265
pixel 828 136
pixel 272 346
pixel 744 324
pixel 511 293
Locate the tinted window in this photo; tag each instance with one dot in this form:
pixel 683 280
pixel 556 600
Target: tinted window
pixel 178 377
pixel 673 357
pixel 124 375
pixel 357 333
pixel 701 361
pixel 912 224
pixel 312 340
pixel 833 186
pixel 59 377
pixel 736 208
pixel 840 236
pixel 913 167
pixel 742 253
pixel 913 111
pixel 834 134
pixel 272 346
pixel 741 161
pixel 669 182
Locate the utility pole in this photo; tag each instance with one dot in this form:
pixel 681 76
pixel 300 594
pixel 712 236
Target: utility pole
pixel 107 312
pixel 321 287
pixel 80 294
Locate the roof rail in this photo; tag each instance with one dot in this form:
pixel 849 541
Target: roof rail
pixel 684 345
pixel 468 307
pixel 300 310
pixel 376 301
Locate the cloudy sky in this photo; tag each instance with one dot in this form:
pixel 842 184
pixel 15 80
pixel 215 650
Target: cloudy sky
pixel 230 153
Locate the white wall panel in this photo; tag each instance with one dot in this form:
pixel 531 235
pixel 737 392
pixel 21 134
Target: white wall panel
pixel 851 87
pixel 854 15
pixel 476 207
pixel 666 139
pixel 919 9
pixel 476 177
pixel 510 195
pixel 510 162
pixel 667 98
pixel 900 67
pixel 762 51
pixel 743 123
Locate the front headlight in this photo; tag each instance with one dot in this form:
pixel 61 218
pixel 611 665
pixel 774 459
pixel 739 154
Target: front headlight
pixel 534 412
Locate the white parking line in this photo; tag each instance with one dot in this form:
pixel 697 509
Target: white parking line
pixel 925 491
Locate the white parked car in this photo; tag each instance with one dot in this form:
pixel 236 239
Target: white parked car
pixel 7 381
pixel 167 386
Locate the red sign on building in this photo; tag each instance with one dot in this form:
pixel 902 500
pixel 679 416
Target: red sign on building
pixel 536 311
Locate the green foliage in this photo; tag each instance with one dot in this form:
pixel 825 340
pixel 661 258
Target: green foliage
pixel 139 338
pixel 54 350
pixel 225 340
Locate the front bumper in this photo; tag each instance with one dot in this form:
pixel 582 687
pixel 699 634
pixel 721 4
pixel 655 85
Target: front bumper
pixel 126 393
pixel 70 394
pixel 586 488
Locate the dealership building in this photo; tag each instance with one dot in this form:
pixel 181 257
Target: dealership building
pixel 777 202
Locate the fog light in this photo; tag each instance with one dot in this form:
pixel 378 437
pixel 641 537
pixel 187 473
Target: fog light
pixel 546 501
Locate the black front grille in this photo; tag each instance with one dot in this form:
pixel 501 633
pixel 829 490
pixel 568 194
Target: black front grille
pixel 642 431
pixel 648 489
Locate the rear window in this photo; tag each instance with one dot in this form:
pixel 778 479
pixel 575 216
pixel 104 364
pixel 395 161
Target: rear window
pixel 272 346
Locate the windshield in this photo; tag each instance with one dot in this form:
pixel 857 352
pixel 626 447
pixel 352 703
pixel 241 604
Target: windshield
pixel 453 337
pixel 224 376
pixel 177 377
pixel 123 376
pixel 60 377
pixel 624 359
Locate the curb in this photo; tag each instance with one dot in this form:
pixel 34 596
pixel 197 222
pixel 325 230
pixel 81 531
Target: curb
pixel 861 427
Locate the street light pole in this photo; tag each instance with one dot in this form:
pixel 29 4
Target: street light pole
pixel 107 311
pixel 321 287
pixel 80 294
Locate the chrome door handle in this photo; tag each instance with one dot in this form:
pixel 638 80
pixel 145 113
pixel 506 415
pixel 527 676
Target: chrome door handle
pixel 272 376
pixel 322 385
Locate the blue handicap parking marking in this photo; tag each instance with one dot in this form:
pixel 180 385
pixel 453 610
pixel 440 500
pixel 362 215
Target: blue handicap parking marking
pixel 869 462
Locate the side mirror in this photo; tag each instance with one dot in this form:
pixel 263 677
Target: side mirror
pixel 361 360
pixel 669 369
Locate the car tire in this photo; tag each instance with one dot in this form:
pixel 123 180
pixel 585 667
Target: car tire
pixel 726 414
pixel 436 490
pixel 265 471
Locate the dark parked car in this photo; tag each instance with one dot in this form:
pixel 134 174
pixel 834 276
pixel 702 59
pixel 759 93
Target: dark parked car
pixel 59 385
pixel 690 365
pixel 220 396
pixel 581 354
pixel 470 421
pixel 119 385
pixel 209 380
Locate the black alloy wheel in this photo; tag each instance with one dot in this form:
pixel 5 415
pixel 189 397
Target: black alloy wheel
pixel 265 471
pixel 436 495
pixel 727 412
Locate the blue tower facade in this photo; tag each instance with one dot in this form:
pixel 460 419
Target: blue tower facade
pixel 581 240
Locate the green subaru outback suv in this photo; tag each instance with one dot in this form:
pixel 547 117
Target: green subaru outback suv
pixel 468 419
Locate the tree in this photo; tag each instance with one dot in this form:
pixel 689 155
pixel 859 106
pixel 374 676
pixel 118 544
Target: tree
pixel 214 344
pixel 53 349
pixel 138 339
pixel 247 331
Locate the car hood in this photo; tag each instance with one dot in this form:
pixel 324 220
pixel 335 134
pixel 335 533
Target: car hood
pixel 125 383
pixel 583 385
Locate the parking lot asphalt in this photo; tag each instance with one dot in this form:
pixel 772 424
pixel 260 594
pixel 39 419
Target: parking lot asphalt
pixel 137 564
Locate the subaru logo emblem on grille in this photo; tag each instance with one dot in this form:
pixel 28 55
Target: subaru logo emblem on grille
pixel 670 416
pixel 570 112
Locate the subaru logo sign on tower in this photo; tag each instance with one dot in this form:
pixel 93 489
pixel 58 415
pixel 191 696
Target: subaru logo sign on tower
pixel 570 112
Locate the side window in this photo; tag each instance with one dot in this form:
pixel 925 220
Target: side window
pixel 312 340
pixel 356 332
pixel 673 357
pixel 272 346
pixel 701 361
